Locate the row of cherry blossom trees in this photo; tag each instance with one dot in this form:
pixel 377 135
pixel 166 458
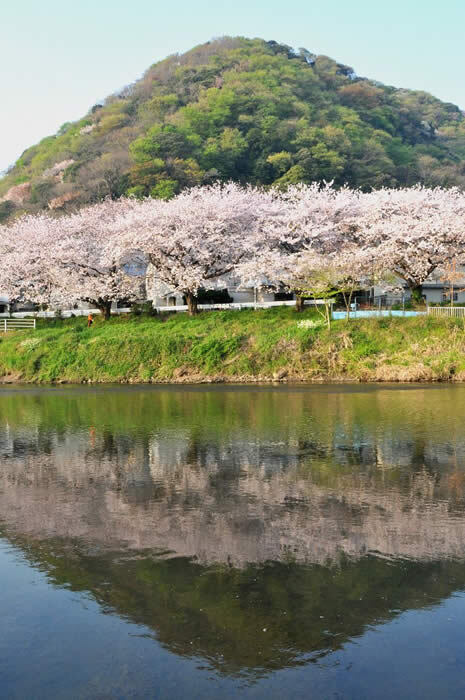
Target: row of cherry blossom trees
pixel 312 240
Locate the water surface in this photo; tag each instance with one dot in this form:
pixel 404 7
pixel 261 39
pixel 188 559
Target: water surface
pixel 256 542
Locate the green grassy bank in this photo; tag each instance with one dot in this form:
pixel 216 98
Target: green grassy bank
pixel 235 346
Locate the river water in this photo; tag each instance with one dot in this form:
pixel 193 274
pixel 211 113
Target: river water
pixel 224 542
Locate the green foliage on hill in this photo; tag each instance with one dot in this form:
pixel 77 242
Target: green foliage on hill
pixel 247 110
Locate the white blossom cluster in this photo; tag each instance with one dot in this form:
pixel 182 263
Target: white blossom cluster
pixel 308 323
pixel 314 240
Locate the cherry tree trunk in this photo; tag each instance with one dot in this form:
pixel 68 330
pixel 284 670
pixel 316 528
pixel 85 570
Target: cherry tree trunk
pixel 192 304
pixel 299 303
pixel 105 309
pixel 416 292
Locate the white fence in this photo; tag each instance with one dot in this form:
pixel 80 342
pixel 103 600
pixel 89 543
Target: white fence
pixel 202 307
pixel 447 311
pixel 16 324
pixel 68 313
pixel 243 305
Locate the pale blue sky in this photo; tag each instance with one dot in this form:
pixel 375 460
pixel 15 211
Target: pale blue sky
pixel 59 58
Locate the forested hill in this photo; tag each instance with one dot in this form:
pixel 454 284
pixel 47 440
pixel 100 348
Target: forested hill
pixel 242 109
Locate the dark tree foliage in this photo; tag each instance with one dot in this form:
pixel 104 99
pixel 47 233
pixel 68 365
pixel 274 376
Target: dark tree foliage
pixel 6 209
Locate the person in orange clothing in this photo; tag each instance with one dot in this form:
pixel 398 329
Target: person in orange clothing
pixel 90 320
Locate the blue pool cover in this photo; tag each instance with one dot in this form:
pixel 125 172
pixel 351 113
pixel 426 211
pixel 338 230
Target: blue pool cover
pixel 375 313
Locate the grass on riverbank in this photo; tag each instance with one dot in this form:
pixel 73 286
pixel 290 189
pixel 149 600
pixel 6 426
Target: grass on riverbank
pixel 236 346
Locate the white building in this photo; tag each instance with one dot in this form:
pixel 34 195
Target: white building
pixel 435 290
pixel 161 295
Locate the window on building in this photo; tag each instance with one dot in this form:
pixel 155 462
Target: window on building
pixel 446 296
pixel 214 296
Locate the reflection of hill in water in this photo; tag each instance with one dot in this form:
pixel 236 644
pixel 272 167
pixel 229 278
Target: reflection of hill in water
pixel 264 502
pixel 251 620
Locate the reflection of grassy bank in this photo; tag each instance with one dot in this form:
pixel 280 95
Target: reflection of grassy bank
pixel 240 346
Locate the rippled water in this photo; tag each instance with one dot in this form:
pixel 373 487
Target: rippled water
pixel 288 542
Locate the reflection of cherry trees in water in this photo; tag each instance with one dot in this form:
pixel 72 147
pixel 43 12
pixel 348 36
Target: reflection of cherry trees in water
pixel 240 476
